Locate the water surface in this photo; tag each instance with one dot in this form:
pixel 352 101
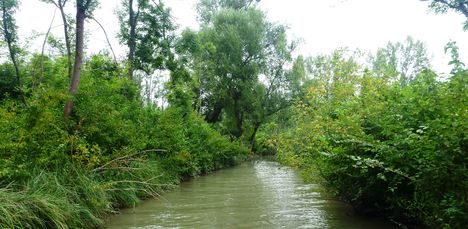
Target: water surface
pixel 259 194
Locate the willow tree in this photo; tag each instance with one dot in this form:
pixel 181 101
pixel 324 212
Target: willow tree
pixel 241 63
pixel 84 9
pixel 234 50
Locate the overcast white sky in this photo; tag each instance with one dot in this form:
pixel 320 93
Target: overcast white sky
pixel 323 25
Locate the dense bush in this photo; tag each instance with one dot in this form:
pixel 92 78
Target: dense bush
pixel 387 149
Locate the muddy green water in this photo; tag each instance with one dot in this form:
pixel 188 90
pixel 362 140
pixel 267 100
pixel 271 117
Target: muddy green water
pixel 259 194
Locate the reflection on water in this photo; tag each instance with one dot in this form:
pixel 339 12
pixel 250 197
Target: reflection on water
pixel 259 194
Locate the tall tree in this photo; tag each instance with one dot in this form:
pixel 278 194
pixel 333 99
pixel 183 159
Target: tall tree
pixel 442 6
pixel 8 30
pixel 60 4
pixel 147 29
pixel 84 9
pixel 232 56
pixel 131 30
pixel 240 62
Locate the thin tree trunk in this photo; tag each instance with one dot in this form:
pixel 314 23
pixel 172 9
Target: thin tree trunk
pixel 132 20
pixel 80 18
pixel 107 39
pixel 67 37
pixel 15 64
pixel 12 51
pixel 42 51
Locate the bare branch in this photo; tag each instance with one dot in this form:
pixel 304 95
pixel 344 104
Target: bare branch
pixel 43 46
pixel 126 157
pixel 107 38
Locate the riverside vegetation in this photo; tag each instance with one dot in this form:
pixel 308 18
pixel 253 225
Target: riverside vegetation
pixel 83 135
pixel 112 152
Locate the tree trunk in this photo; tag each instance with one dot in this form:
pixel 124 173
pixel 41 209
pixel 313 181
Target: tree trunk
pixel 67 38
pixel 80 18
pixel 252 137
pixel 107 39
pixel 132 21
pixel 42 54
pixel 215 114
pixel 12 50
pixel 238 118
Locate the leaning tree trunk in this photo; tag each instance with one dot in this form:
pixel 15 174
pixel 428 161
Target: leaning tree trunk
pixel 67 38
pixel 253 135
pixel 80 18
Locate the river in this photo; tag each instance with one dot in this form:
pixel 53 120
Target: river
pixel 259 194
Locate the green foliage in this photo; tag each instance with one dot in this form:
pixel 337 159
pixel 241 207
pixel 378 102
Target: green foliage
pixel 389 140
pixel 8 23
pixel 240 67
pixel 153 35
pixel 232 56
pixel 387 149
pixel 7 82
pixel 88 6
pixel 112 152
pixel 457 65
pixel 207 8
pixel 442 6
pixel 401 61
pixel 198 149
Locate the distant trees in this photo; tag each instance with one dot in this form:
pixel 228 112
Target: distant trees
pixel 206 9
pixel 401 61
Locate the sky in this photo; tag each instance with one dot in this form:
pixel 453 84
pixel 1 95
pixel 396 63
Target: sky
pixel 322 25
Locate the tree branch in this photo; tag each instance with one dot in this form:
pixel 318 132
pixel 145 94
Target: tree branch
pixel 107 38
pixel 43 46
pixel 126 157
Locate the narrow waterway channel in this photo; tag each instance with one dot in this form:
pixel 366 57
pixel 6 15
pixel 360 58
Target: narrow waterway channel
pixel 260 194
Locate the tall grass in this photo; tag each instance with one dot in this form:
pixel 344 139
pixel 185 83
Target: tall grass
pixel 79 198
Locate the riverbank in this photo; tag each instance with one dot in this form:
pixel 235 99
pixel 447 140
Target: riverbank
pixel 392 151
pixel 74 197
